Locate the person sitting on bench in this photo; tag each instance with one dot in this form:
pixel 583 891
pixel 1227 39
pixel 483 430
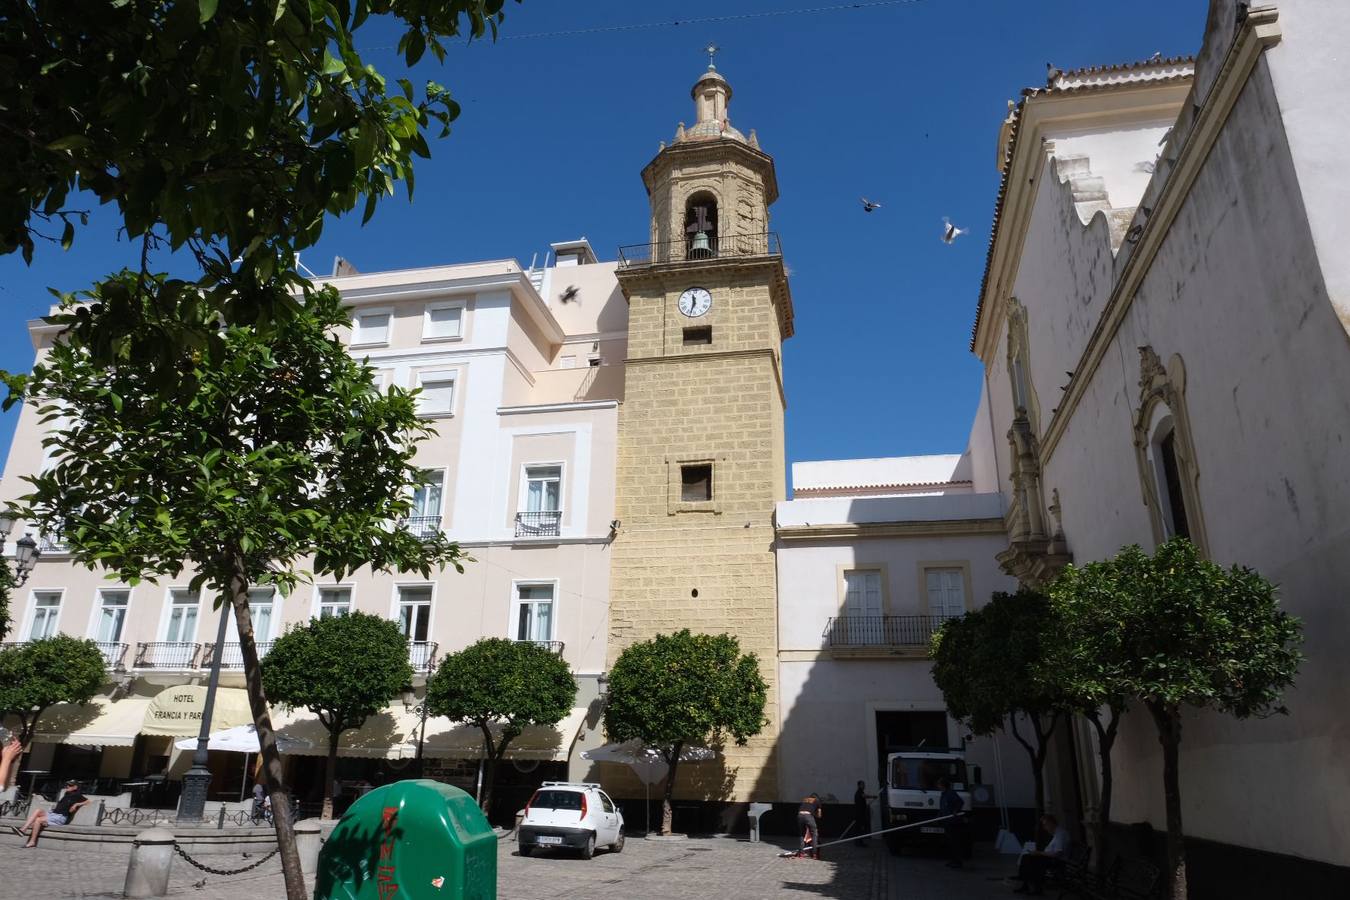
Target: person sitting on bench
pixel 66 806
pixel 1034 865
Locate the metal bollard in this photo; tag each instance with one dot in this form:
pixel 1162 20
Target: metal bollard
pixel 148 870
pixel 307 845
pixel 220 820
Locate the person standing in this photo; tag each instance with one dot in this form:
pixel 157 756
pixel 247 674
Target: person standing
pixel 808 822
pixel 862 815
pixel 951 804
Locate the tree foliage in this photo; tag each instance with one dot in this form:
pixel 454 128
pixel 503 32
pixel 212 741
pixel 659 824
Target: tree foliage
pixel 344 669
pixel 271 449
pixel 38 674
pixel 684 688
pixel 6 592
pixel 230 127
pixel 1183 631
pixel 995 664
pixel 501 685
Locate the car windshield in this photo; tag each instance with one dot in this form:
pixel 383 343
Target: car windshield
pixel 923 774
pixel 557 800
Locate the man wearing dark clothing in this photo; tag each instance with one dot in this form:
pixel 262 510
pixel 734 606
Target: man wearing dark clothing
pixel 808 818
pixel 862 816
pixel 951 804
pixel 69 803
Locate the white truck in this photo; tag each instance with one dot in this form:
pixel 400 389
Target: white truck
pixel 912 795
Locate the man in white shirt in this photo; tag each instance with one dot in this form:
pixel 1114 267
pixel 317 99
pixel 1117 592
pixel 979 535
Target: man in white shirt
pixel 1034 864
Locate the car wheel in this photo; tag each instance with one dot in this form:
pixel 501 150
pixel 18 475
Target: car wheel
pixel 617 846
pixel 589 850
pixel 525 849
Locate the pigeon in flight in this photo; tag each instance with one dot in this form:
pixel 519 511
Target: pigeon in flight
pixel 950 232
pixel 569 294
pixel 868 205
pixel 1156 57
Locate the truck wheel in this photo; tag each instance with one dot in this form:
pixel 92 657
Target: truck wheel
pixel 589 850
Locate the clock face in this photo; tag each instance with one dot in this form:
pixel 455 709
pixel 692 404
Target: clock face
pixel 695 302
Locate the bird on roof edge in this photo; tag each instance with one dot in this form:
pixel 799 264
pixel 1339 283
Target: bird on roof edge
pixel 868 205
pixel 1156 57
pixel 950 232
pixel 1052 72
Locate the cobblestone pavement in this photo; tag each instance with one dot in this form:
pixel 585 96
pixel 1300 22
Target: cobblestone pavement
pixel 688 870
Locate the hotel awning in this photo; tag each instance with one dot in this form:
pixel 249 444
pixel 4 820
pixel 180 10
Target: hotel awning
pixel 383 736
pixel 99 723
pixel 447 741
pixel 177 711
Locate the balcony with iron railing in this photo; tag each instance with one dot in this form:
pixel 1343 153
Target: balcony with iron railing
pixel 422 655
pixel 539 523
pixel 424 527
pixel 167 655
pixel 52 543
pixel 688 249
pixel 114 653
pixel 553 646
pixel 231 657
pixel 881 633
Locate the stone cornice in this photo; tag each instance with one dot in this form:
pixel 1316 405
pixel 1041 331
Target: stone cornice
pixel 855 530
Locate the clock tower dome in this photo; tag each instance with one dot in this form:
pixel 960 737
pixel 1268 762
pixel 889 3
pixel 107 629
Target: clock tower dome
pixel 701 456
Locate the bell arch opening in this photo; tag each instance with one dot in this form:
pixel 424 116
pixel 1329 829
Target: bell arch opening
pixel 700 226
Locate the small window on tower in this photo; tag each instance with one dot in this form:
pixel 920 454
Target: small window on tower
pixel 696 336
pixel 696 485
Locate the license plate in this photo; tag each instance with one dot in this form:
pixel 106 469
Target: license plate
pixel 548 839
pixel 931 829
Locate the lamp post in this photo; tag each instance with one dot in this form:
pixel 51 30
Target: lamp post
pixel 26 551
pixel 196 780
pixel 420 710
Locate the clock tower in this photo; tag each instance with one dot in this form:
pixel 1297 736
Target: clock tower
pixel 701 457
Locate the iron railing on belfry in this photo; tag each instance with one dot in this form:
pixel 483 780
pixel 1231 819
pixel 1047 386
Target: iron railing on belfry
pixel 849 632
pixel 722 246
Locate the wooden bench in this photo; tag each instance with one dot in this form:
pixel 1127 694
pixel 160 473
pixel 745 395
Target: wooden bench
pixel 1126 879
pixel 1075 873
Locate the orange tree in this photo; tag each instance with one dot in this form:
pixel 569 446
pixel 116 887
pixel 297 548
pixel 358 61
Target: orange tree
pixel 271 450
pixel 501 687
pixel 682 688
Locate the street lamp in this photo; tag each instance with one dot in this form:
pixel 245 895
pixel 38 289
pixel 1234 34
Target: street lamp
pixel 196 780
pixel 26 552
pixel 420 709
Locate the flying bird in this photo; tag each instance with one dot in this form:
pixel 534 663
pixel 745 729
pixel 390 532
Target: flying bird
pixel 1156 57
pixel 570 294
pixel 868 205
pixel 950 232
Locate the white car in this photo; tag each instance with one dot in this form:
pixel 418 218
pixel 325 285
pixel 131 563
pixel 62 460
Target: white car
pixel 571 814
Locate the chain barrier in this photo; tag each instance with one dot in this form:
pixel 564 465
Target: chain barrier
pixel 178 848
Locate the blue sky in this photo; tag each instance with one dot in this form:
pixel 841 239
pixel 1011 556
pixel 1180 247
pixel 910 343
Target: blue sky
pixel 900 102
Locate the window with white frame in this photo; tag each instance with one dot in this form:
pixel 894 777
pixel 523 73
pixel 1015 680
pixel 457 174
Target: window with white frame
pixel 46 608
pixel 543 488
pixel 182 624
pixel 334 601
pixel 426 501
pixel 946 591
pixel 112 615
pixel 438 393
pixel 533 612
pixel 863 622
pixel 371 326
pixel 414 611
pixel 1167 480
pixel 262 610
pixel 443 321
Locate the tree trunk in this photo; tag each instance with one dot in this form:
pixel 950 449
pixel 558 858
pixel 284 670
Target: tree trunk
pixel 1037 755
pixel 330 772
pixel 668 811
pixel 1106 739
pixel 267 742
pixel 1168 719
pixel 490 757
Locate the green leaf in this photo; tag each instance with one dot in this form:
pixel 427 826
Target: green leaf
pixel 206 10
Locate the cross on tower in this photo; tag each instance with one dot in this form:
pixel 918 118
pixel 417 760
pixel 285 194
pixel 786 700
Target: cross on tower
pixel 711 50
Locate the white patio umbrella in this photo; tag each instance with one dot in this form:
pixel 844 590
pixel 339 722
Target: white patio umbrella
pixel 648 763
pixel 240 739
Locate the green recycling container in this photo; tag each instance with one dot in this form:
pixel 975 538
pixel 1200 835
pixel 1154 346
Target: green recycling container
pixel 410 840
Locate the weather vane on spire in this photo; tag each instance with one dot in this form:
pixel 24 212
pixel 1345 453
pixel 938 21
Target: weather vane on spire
pixel 711 50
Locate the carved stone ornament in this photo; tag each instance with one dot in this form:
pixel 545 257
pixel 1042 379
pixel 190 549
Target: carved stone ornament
pixel 1166 386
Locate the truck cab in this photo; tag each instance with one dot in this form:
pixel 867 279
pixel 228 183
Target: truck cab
pixel 912 794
